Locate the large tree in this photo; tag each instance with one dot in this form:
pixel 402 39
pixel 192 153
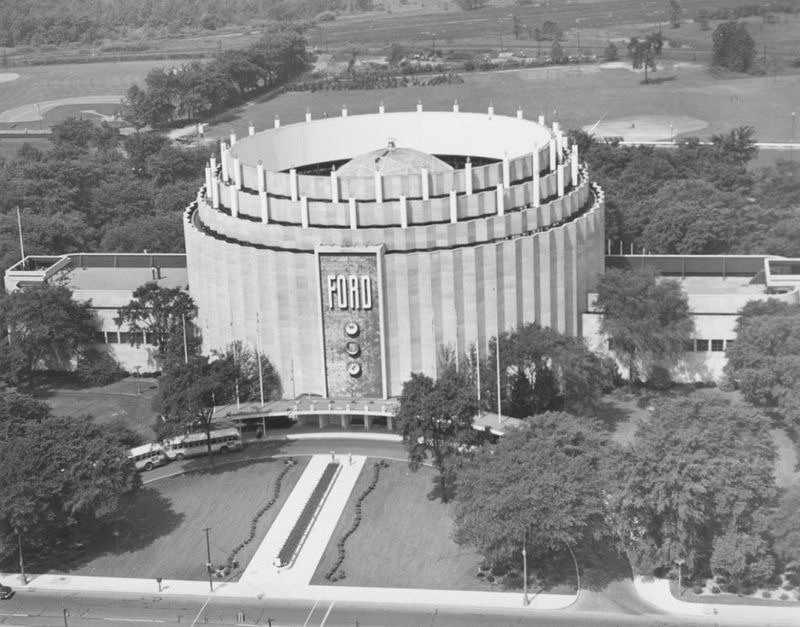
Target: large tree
pixel 643 52
pixel 165 314
pixel 646 320
pixel 733 47
pixel 539 488
pixel 765 359
pixel 62 477
pixel 696 479
pixel 47 328
pixel 435 419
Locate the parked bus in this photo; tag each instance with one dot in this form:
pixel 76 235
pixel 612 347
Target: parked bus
pixel 194 444
pixel 147 456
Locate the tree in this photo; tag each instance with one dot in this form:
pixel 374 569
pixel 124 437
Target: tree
pixel 675 12
pixel 549 31
pixel 47 328
pixel 539 488
pixel 733 47
pixel 18 410
pixel 165 315
pixel 470 5
pixel 435 418
pixel 646 320
pixel 246 381
pixel 785 527
pixel 698 469
pixel 765 359
pixel 643 52
pixel 63 478
pixel 743 558
pixel 610 53
pixel 739 145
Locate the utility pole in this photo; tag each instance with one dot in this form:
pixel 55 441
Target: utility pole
pixel 525 568
pixel 22 576
pixel 21 246
pixel 208 557
pixel 185 348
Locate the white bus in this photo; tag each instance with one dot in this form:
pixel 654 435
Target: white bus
pixel 147 456
pixel 194 444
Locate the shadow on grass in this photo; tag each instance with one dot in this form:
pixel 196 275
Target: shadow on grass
pixel 611 414
pixel 658 81
pixel 252 454
pixel 436 489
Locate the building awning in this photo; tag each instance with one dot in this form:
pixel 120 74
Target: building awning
pixel 306 406
pixel 496 425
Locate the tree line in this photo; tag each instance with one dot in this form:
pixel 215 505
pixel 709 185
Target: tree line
pixel 199 89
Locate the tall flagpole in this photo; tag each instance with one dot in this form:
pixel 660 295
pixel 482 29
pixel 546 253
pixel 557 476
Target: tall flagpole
pixel 498 373
pixel 478 370
pixel 19 226
pixel 258 357
pixel 185 348
pixel 235 365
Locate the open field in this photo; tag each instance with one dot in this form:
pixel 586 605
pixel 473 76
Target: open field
pixel 162 533
pixel 404 539
pixel 579 97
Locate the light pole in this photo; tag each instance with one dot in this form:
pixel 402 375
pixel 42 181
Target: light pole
pixel 794 122
pixel 138 379
pixel 22 576
pixel 433 41
pixel 525 568
pixel 208 563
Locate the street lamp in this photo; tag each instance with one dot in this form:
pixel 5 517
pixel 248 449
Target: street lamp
pixel 22 576
pixel 138 379
pixel 525 569
pixel 680 562
pixel 209 566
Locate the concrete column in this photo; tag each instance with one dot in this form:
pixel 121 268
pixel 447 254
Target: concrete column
pixel 321 421
pixel 553 157
pixel 506 171
pixel 251 130
pixel 501 210
pixel 574 164
pixel 343 420
pixel 224 159
pixel 234 200
pixel 519 112
pixel 213 161
pixel 403 212
pixel 215 193
pixel 455 106
pixel 304 212
pixel 419 106
pixel 261 180
pixel 378 186
pixel 308 115
pixel 334 187
pixel 237 173
pixel 556 127
pixel 390 423
pixel 426 192
pixel 468 177
pixel 293 183
pixel 381 107
pixel 277 121
pixel 208 181
pixel 541 120
pixel 561 144
pixel 491 109
pixel 233 139
pixel 344 110
pixel 367 420
pixel 560 179
pixel 264 201
pixel 351 206
pixel 453 207
pixel 537 193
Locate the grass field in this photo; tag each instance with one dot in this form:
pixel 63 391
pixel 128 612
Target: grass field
pixel 404 537
pixel 162 533
pixel 580 97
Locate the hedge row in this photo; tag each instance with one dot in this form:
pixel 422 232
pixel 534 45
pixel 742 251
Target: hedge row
pixel 332 574
pixel 288 463
pixel 304 520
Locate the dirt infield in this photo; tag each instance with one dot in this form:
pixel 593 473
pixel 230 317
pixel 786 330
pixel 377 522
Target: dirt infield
pixel 34 112
pixel 7 77
pixel 646 127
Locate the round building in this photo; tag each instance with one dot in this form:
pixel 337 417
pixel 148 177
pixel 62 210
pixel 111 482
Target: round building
pixel 349 249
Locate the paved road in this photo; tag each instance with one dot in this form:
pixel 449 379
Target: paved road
pixel 46 610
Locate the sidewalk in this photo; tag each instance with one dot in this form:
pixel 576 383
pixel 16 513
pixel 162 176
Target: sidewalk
pixel 657 593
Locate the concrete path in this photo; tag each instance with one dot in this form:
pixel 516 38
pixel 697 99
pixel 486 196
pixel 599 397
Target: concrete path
pixel 657 593
pixel 260 573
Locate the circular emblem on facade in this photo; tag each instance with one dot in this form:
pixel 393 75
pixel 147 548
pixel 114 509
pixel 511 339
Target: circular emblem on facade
pixel 353 349
pixel 354 369
pixel 351 329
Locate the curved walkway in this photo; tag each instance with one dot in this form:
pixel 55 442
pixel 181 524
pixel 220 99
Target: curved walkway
pixel 657 593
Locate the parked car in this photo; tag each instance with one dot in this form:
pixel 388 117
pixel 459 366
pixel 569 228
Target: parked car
pixel 5 592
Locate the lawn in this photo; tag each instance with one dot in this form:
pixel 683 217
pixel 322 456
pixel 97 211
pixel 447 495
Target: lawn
pixel 161 535
pixel 125 400
pixel 404 539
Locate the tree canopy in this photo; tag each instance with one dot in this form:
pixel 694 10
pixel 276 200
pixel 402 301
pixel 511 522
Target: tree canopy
pixel 62 477
pixel 435 419
pixel 47 328
pixel 643 52
pixel 764 361
pixel 733 47
pixel 540 486
pixel 646 320
pixel 693 484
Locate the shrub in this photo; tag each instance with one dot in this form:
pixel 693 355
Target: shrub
pixel 97 366
pixel 714 589
pixel 784 596
pixel 698 589
pixel 766 594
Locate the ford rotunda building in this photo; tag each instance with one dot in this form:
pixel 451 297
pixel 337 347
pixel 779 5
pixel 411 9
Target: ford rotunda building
pixel 349 249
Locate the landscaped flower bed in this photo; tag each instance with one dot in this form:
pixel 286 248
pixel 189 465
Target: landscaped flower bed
pixel 298 532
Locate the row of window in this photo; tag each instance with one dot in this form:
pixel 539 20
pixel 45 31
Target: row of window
pixel 703 346
pixel 119 337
